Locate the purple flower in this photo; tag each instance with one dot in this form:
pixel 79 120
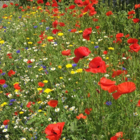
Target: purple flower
pixel 108 103
pixel 18 51
pixel 47 28
pixel 5 86
pixel 96 47
pixel 29 66
pixel 123 68
pixel 12 100
pixel 35 26
pixel 74 65
pixel 69 30
pixel 26 48
pixel 6 126
pixel 3 73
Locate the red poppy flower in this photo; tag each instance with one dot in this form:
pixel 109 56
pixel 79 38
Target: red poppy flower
pixel 11 72
pixel 71 6
pixel 95 19
pixel 137 6
pixel 88 110
pixel 119 134
pixel 40 1
pixel 55 23
pixel 126 36
pixel 106 84
pixel 4 6
pixel 86 33
pixel 5 122
pixel 54 5
pixel 97 27
pixel 54 131
pixel 92 12
pixel 97 65
pixel 114 138
pixel 61 24
pixel 40 84
pixel 0 70
pixel 105 52
pixel 16 4
pixel 81 52
pixel 138 104
pixel 66 52
pixel 119 35
pixel 81 116
pixel 131 12
pixel 78 2
pixel 2 81
pixel 73 30
pixel 118 72
pixel 11 3
pixel 124 88
pixel 53 103
pixel 9 55
pixel 134 47
pixel 132 41
pixel 16 86
pixel 48 4
pixel 109 13
pixel 29 61
pixel 136 20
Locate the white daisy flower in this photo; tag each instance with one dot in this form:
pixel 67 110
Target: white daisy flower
pixel 49 119
pixel 57 109
pixel 4 130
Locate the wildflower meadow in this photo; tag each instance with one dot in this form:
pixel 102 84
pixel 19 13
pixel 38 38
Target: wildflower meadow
pixel 69 72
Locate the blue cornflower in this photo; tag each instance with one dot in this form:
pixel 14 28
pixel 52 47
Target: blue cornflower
pixel 10 104
pixel 4 30
pixel 47 28
pixel 3 73
pixel 69 30
pixel 29 66
pixel 96 47
pixel 123 68
pixel 108 103
pixel 4 27
pixel 35 26
pixel 26 48
pixel 40 23
pixel 44 67
pixel 40 107
pixel 5 86
pixel 18 51
pixel 19 17
pixel 12 100
pixel 74 65
pixel 6 126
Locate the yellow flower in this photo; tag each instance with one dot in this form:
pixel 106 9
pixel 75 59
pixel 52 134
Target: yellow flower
pixel 70 45
pixel 28 38
pixel 92 42
pixel 30 42
pixel 84 13
pixel 68 65
pixel 8 22
pixel 76 82
pixel 39 89
pixel 48 90
pixel 60 34
pixel 73 72
pixel 60 67
pixel 2 42
pixel 1 91
pixel 61 77
pixel 16 83
pixel 107 58
pixel 111 48
pixel 39 110
pixel 79 70
pixel 39 102
pixel 80 31
pixel 21 112
pixel 49 37
pixel 43 45
pixel 45 81
pixel 40 69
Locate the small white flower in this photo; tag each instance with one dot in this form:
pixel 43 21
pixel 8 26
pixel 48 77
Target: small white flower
pixel 2 126
pixel 93 32
pixel 105 36
pixel 57 109
pixel 48 96
pixel 124 58
pixel 32 60
pixel 52 69
pixel 10 95
pixel 135 114
pixel 45 58
pixel 4 130
pixel 23 139
pixel 84 39
pixel 67 42
pixel 72 108
pixel 25 60
pixel 63 99
pixel 7 136
pixel 128 75
pixel 106 75
pixel 35 50
pixel 65 106
pixel 49 119
pixel 55 44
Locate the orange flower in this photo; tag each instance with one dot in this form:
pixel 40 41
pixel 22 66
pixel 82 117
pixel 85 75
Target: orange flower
pixel 81 116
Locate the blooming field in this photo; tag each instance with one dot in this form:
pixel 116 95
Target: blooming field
pixel 69 73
